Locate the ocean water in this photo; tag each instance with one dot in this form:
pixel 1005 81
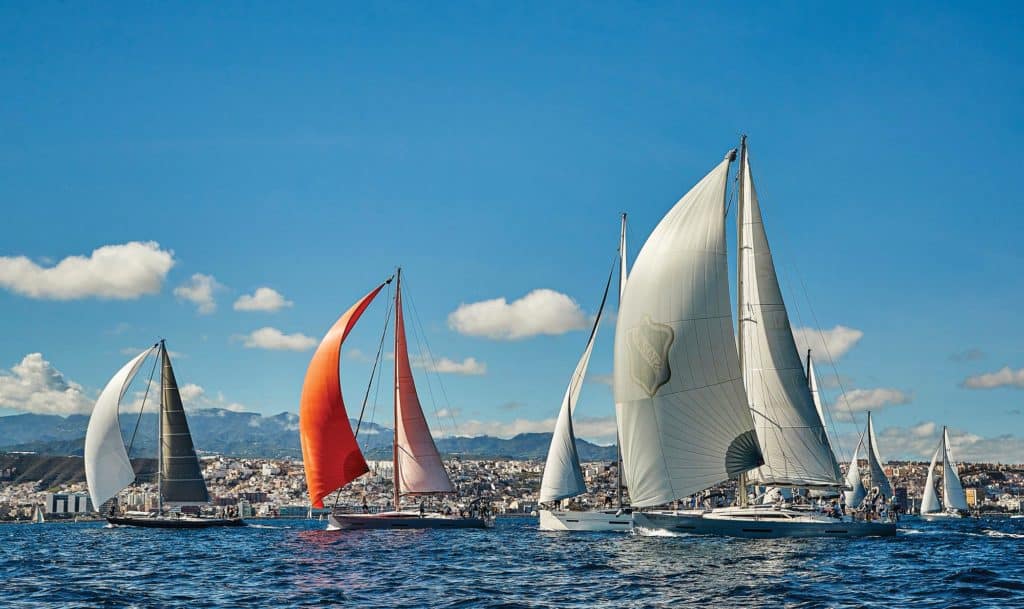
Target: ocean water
pixel 970 563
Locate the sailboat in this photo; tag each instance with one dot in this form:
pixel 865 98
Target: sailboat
pixel 179 477
pixel 954 500
pixel 563 476
pixel 331 455
pixel 697 405
pixel 37 517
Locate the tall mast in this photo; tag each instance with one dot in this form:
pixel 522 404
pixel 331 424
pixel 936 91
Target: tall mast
pixel 622 290
pixel 740 301
pixel 394 454
pixel 871 455
pixel 160 437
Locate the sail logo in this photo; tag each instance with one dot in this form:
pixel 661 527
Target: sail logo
pixel 649 343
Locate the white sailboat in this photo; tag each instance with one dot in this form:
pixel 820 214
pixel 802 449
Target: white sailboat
pixel 563 476
pixel 37 517
pixel 696 405
pixel 954 500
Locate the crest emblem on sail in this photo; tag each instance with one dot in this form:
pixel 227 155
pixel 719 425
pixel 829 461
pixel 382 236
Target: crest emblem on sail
pixel 649 343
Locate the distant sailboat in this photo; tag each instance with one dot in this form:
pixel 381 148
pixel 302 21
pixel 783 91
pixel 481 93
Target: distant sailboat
pixel 954 499
pixel 696 405
pixel 38 518
pixel 563 476
pixel 331 455
pixel 179 477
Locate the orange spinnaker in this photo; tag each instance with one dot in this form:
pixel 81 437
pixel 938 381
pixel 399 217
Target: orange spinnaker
pixel 330 453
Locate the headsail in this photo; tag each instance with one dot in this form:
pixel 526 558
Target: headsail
pixel 680 404
pixel 812 383
pixel 417 461
pixel 857 492
pixel 929 499
pixel 953 496
pixel 181 478
pixel 107 468
pixel 563 477
pixel 878 477
pixel 330 454
pixel 792 437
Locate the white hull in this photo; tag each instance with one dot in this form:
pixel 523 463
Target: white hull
pixel 758 523
pixel 940 515
pixel 596 520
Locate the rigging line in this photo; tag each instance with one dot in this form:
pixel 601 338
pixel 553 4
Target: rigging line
pixel 432 366
pixel 145 395
pixel 376 361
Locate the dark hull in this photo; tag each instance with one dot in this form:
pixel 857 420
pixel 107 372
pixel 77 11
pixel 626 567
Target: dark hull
pixel 176 523
pixel 348 522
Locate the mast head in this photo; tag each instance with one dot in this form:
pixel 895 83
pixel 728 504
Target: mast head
pixel 731 155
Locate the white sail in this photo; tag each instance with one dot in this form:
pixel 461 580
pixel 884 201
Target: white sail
pixel 953 496
pixel 38 517
pixel 107 468
pixel 929 499
pixel 878 477
pixel 857 492
pixel 812 381
pixel 679 399
pixel 791 434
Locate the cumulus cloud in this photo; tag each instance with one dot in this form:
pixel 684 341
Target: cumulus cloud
pixel 263 299
pixel 34 385
pixel 1001 378
pixel 600 430
pixel 468 366
pixel 861 400
pixel 449 412
pixel 119 272
pixel 823 343
pixel 541 311
pixel 193 397
pixel 199 291
pixel 276 340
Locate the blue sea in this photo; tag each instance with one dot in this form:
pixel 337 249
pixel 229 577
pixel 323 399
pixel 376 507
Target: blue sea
pixel 280 563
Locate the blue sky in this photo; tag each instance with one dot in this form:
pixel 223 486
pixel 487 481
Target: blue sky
pixel 488 150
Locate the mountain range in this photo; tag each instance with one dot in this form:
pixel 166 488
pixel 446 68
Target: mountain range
pixel 246 434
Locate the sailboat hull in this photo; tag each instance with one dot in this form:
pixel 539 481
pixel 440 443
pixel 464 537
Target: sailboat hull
pixel 403 520
pixel 595 521
pixel 940 515
pixel 175 523
pixel 764 525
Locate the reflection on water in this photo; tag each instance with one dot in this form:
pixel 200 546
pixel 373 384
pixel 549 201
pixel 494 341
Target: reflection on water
pixel 295 564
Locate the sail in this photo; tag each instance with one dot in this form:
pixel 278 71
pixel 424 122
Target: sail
pixel 181 478
pixel 857 492
pixel 878 477
pixel 929 499
pixel 330 454
pixel 791 434
pixel 419 464
pixel 679 399
pixel 107 468
pixel 953 496
pixel 563 477
pixel 812 382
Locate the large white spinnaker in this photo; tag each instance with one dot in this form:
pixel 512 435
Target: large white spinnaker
pixel 791 433
pixel 107 468
pixel 929 499
pixel 681 408
pixel 857 492
pixel 953 496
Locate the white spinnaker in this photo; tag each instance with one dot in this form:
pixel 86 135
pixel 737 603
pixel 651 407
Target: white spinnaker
pixel 792 437
pixel 953 496
pixel 930 500
pixel 107 468
pixel 679 398
pixel 856 495
pixel 878 477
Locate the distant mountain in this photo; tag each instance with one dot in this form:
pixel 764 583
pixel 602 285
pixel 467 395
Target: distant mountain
pixel 246 434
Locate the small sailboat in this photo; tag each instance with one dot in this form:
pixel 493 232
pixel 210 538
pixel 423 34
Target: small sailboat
pixel 331 455
pixel 697 405
pixel 37 517
pixel 954 499
pixel 179 476
pixel 563 476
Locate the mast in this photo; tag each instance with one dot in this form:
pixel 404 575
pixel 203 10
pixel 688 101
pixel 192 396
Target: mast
pixel 871 452
pixel 740 300
pixel 809 382
pixel 394 453
pixel 160 439
pixel 622 289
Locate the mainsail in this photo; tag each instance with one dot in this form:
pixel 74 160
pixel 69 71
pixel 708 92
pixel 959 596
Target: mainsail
pixel 181 478
pixel 563 477
pixel 878 477
pixel 953 496
pixel 929 499
pixel 857 492
pixel 681 408
pixel 791 434
pixel 330 454
pixel 418 465
pixel 107 468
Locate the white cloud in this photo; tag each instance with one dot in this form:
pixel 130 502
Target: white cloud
pixel 274 339
pixel 190 392
pixel 823 343
pixel 600 430
pixel 199 291
pixel 449 412
pixel 469 366
pixel 600 379
pixel 1001 378
pixel 122 272
pixel 860 400
pixel 541 311
pixel 34 385
pixel 263 299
